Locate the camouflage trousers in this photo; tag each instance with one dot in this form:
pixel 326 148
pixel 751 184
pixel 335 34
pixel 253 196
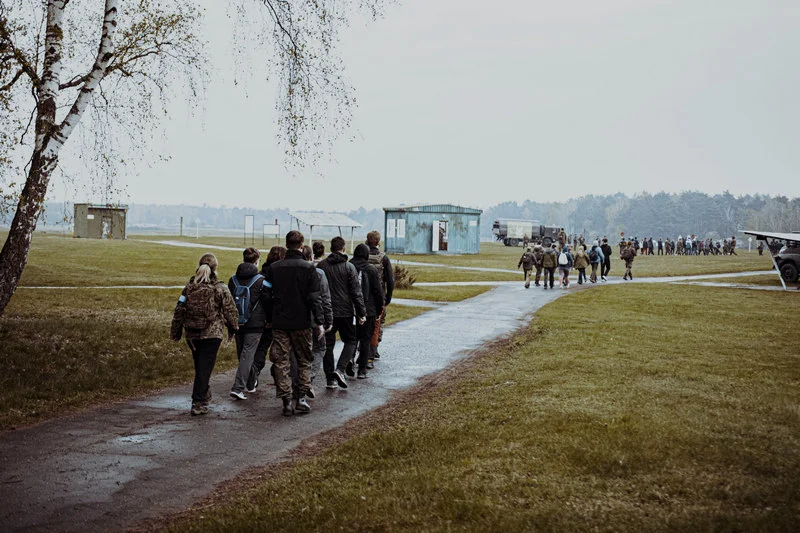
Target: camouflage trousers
pixel 301 341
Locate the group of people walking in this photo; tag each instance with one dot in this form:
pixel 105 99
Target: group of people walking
pixel 290 311
pixel 688 245
pixel 558 256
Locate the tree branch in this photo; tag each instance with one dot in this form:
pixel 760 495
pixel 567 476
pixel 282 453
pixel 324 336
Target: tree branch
pixel 17 54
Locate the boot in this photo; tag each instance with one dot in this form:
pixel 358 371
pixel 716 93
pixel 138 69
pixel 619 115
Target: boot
pixel 287 406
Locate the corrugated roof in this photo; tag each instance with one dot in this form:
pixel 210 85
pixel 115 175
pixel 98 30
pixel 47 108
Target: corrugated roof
pixel 311 218
pixel 435 208
pixel 772 235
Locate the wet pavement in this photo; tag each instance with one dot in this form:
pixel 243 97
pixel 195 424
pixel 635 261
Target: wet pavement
pixel 112 467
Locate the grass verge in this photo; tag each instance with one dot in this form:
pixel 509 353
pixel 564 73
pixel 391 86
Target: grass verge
pixel 440 294
pixel 623 408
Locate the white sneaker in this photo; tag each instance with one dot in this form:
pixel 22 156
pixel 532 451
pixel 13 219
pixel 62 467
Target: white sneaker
pixel 238 395
pixel 255 386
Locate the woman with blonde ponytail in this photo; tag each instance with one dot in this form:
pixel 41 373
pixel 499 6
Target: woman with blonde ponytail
pixel 204 311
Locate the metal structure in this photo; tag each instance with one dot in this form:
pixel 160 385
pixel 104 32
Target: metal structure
pixel 313 219
pixel 100 221
pixel 782 266
pixel 437 228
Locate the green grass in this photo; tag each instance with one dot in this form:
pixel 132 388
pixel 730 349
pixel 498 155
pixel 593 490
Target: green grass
pixel 440 294
pixel 767 280
pixel 655 265
pixel 623 408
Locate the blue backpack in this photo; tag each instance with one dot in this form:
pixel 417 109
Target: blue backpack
pixel 241 297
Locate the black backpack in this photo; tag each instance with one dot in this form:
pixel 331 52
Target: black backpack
pixel 593 257
pixel 241 297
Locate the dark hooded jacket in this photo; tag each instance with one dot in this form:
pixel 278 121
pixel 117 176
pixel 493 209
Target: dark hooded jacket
pixel 346 297
pixel 294 286
pixel 259 299
pixel 371 283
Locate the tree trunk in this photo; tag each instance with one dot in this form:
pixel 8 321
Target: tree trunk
pixel 15 252
pixel 50 138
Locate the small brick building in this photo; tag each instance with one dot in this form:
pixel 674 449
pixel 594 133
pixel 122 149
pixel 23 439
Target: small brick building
pixel 93 221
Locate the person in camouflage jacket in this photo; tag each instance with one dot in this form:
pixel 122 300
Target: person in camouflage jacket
pixel 204 311
pixel 526 261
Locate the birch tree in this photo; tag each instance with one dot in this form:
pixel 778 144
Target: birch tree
pixel 106 63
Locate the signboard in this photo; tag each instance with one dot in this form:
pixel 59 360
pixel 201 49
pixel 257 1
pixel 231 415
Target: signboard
pixel 270 230
pixel 249 228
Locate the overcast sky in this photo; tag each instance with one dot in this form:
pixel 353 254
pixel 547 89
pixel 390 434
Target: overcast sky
pixel 475 103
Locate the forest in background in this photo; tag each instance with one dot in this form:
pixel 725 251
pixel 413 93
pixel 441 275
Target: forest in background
pixel 643 215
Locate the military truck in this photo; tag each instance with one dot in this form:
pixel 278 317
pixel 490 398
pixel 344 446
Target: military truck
pixel 512 231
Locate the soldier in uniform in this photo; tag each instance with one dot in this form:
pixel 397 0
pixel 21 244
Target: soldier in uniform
pixel 526 261
pixel 760 248
pixel 733 246
pixel 537 261
pixel 562 238
pixel 627 255
pixel 549 263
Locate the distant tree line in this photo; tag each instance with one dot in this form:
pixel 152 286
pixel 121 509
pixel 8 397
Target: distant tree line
pixel 642 215
pixel 657 215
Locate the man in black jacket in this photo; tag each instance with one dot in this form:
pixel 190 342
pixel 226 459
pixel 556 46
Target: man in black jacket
pixel 374 297
pixel 252 318
pixel 347 303
pixel 606 266
pixel 294 286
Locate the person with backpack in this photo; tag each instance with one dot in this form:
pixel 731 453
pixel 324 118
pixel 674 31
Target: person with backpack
pixel 565 263
pixel 204 311
pixel 549 264
pixel 526 261
pixel 596 259
pixel 582 262
pixel 537 261
pixel 348 307
pixel 627 255
pixel 374 298
pixel 385 270
pixel 246 287
pixel 296 316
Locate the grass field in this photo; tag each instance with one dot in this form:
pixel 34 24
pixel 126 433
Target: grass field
pixel 767 280
pixel 622 408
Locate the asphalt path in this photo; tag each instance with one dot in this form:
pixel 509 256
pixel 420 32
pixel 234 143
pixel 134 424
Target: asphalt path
pixel 109 468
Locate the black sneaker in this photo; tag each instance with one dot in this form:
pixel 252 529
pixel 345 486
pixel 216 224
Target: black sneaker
pixel 362 374
pixel 255 386
pixel 349 370
pixel 310 393
pixel 337 374
pixel 301 406
pixel 377 355
pixel 331 384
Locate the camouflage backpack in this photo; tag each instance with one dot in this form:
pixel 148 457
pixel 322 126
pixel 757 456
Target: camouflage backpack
pixel 201 306
pixel 376 260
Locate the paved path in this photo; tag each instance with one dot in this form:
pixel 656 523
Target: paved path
pixel 109 468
